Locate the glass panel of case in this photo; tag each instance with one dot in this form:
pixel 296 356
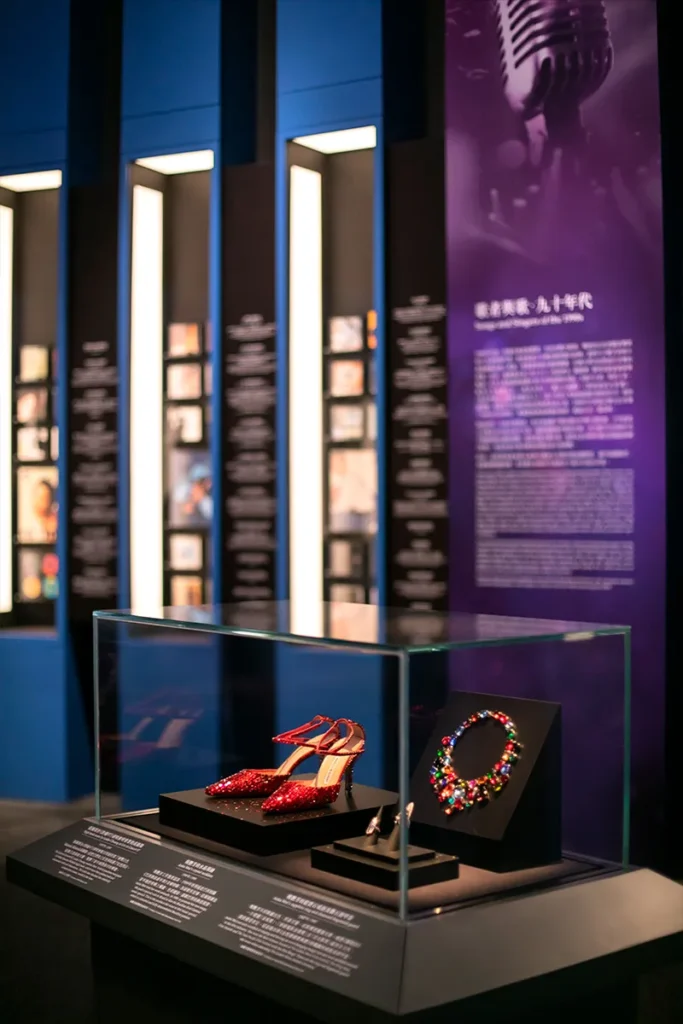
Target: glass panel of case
pixel 407 762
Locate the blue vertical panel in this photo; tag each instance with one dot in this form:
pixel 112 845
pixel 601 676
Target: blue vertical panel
pixel 35 684
pixel 329 77
pixel 170 103
pixel 170 79
pixel 34 53
pixel 329 64
pixel 170 95
pixel 33 719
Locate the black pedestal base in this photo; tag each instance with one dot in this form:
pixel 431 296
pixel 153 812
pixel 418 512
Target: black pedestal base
pixel 242 824
pixel 131 982
pixel 577 946
pixel 379 865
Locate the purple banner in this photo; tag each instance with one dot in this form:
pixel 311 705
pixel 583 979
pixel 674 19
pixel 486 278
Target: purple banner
pixel 556 337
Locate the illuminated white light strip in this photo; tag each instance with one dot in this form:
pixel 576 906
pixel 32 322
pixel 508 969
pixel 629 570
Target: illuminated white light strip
pixel 305 402
pixel 346 141
pixel 6 250
pixel 34 181
pixel 146 397
pixel 179 163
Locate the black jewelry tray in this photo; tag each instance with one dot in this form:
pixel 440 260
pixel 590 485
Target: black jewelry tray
pixel 379 864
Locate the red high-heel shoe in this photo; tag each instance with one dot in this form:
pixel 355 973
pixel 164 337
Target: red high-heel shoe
pixel 338 762
pixel 262 781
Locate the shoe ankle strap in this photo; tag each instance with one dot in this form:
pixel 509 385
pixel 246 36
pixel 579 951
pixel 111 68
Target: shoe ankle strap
pixel 354 731
pixel 300 738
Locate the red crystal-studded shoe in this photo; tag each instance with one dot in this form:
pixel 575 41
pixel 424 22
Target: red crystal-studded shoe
pixel 263 781
pixel 338 762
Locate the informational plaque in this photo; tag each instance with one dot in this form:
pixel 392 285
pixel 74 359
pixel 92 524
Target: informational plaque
pixel 93 478
pixel 417 482
pixel 558 364
pixel 325 941
pixel 90 435
pixel 249 384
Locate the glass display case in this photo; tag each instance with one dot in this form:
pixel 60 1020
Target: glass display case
pixel 404 763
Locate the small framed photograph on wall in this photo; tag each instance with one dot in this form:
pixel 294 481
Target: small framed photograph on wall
pixel 190 498
pixel 352 489
pixel 346 423
pixel 186 590
pixel 346 333
pixel 347 378
pixel 184 381
pixel 31 405
pixel 37 504
pixel 185 424
pixel 185 552
pixel 184 340
pixel 34 363
pixel 37 577
pixel 32 444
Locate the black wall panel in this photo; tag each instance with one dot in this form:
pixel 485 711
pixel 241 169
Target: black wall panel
pixel 186 222
pixel 248 386
pixel 37 253
pixel 348 190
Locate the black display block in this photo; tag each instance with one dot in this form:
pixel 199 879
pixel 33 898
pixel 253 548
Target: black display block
pixel 522 826
pixel 379 864
pixel 242 824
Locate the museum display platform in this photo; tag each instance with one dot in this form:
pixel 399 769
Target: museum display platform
pixel 579 943
pixel 283 784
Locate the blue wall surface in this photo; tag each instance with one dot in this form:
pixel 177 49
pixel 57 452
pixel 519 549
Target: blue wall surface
pixel 34 59
pixel 43 746
pixel 328 77
pixel 170 103
pixel 170 84
pixel 329 64
pixel 33 718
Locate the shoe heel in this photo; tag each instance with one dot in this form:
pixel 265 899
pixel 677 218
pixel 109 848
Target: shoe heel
pixel 348 779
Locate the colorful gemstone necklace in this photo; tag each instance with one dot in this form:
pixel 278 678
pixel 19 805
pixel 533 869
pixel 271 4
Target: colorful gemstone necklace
pixel 457 794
